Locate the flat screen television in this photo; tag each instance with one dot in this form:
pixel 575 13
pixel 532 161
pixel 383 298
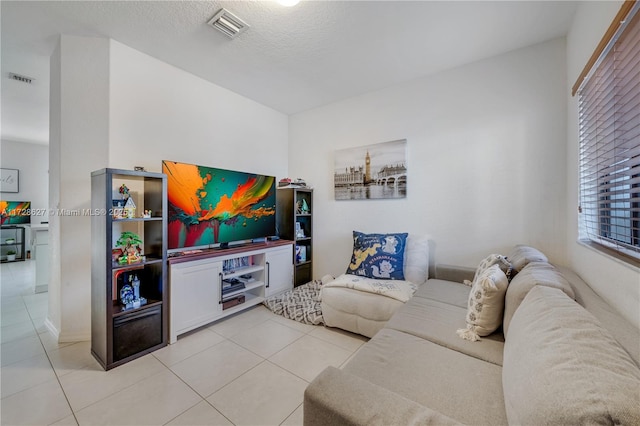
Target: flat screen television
pixel 15 212
pixel 210 206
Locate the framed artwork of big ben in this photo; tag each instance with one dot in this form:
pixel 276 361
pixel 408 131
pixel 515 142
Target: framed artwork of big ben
pixel 371 171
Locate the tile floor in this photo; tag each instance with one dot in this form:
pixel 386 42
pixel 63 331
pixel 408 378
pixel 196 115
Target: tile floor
pixel 249 369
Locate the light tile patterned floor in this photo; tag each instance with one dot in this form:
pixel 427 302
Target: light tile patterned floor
pixel 249 369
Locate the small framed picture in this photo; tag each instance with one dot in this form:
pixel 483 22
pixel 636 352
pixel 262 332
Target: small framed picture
pixel 299 230
pixel 9 180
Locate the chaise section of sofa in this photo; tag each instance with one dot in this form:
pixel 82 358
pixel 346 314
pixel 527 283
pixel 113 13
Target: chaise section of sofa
pixel 418 357
pixel 416 368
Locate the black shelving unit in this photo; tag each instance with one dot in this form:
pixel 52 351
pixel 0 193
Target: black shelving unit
pixel 12 240
pixel 294 211
pixel 121 333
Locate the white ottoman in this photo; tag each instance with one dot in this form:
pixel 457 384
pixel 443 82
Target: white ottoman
pixel 366 313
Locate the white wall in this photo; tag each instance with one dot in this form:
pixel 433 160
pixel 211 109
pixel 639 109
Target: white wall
pixel 55 139
pixel 486 159
pixel 617 282
pixel 79 140
pixel 159 112
pixel 145 111
pixel 32 160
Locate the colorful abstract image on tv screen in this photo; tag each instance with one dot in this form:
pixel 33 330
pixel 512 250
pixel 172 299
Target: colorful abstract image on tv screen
pixel 209 205
pixel 15 212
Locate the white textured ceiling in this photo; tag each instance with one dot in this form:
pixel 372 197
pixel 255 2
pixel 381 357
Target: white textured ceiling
pixel 291 59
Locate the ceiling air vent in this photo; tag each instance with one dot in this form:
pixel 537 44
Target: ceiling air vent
pixel 227 23
pixel 22 78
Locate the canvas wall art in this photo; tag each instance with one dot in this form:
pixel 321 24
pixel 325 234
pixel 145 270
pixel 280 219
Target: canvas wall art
pixel 371 171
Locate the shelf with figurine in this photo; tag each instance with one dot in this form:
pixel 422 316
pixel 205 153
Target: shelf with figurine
pixel 294 216
pixel 129 245
pixel 124 208
pixel 135 288
pixel 120 309
pixel 129 293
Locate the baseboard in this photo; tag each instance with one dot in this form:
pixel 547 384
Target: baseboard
pixel 62 337
pixel 52 329
pixel 74 337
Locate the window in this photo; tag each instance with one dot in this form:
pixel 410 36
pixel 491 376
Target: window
pixel 609 119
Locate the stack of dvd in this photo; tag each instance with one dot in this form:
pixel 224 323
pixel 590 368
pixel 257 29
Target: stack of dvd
pixel 231 285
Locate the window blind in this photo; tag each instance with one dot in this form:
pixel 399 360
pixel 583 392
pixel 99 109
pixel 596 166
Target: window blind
pixel 609 120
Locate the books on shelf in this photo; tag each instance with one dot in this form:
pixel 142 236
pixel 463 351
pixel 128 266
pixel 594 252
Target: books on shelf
pixel 231 265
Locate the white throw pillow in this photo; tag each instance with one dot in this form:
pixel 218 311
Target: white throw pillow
pixel 522 255
pixel 486 304
pixel 416 259
pixel 489 261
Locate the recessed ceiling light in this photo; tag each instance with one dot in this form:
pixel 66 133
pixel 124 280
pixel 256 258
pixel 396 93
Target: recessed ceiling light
pixel 228 23
pixel 288 3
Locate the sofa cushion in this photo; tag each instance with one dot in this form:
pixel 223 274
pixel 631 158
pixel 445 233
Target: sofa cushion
pixel 461 387
pixel 336 397
pixel 486 304
pixel 535 273
pixel 378 255
pixel 562 367
pixel 437 321
pixel 453 273
pixel 522 255
pixel 622 330
pixel 450 292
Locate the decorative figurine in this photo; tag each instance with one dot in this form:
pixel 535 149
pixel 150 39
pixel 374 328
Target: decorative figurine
pixel 124 191
pixel 305 207
pixel 131 252
pixel 126 296
pixel 130 208
pixel 136 287
pixel 135 283
pixel 118 209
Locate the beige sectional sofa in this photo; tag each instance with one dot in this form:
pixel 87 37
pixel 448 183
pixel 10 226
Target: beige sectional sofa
pixel 560 361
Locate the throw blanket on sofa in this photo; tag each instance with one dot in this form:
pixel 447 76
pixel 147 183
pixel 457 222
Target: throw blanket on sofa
pixel 395 289
pixel 301 304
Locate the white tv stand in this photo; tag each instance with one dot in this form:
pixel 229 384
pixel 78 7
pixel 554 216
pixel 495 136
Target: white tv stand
pixel 196 282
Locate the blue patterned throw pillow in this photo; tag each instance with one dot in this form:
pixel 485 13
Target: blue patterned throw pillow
pixel 378 255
